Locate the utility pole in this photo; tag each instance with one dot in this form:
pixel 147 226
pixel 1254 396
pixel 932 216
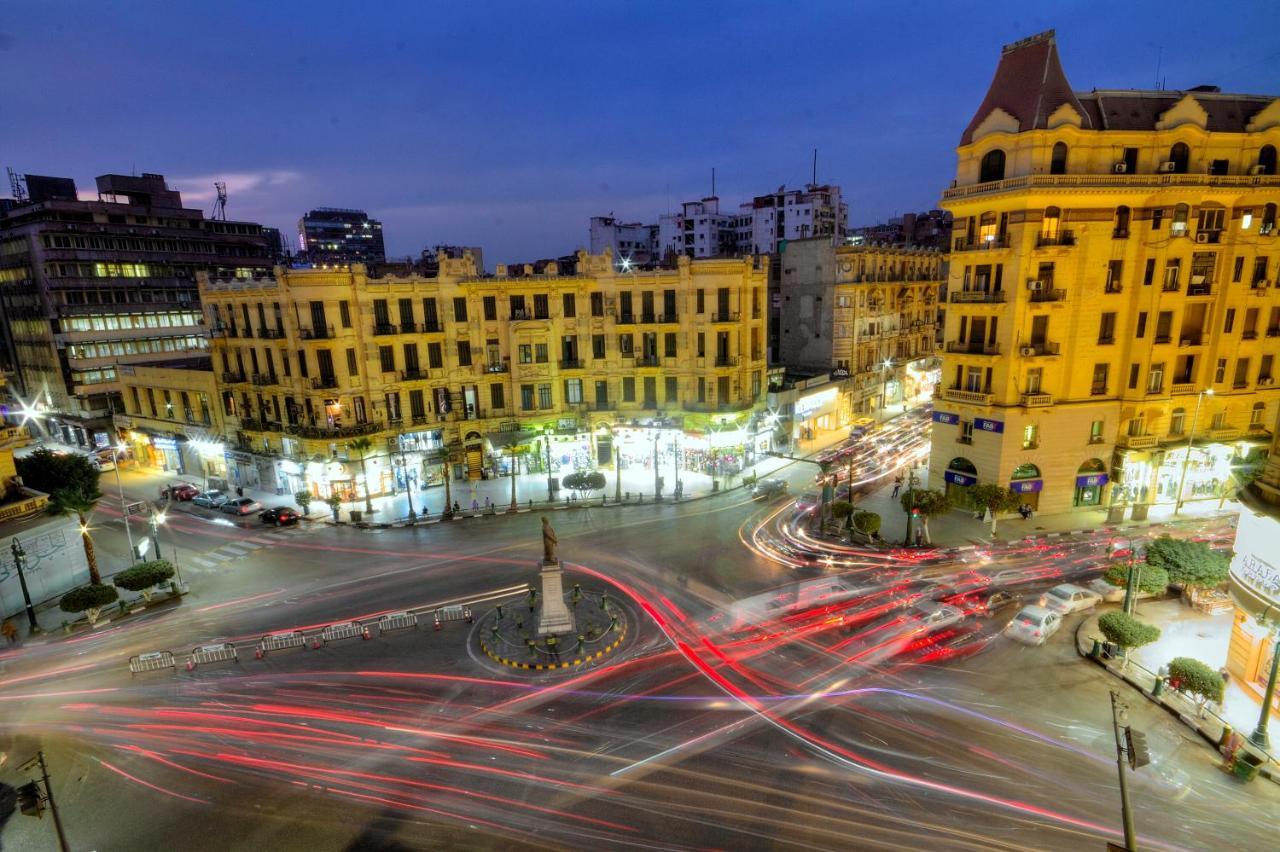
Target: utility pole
pixel 1135 578
pixel 546 443
pixel 1191 443
pixel 115 457
pixel 38 760
pixel 617 472
pixel 657 479
pixel 20 562
pixel 408 480
pixel 1131 748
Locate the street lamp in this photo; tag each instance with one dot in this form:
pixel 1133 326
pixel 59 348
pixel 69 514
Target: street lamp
pixel 546 443
pixel 1191 442
pixel 408 481
pixel 124 508
pixel 884 390
pixel 1259 736
pixel 657 480
pixel 1134 578
pixel 158 518
pixel 20 560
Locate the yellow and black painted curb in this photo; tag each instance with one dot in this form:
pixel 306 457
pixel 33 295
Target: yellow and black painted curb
pixel 545 667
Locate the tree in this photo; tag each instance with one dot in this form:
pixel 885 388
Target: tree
pixel 1190 563
pixel 144 577
pixel 1124 630
pixel 303 499
pixel 1152 579
pixel 867 523
pixel 995 499
pixel 89 599
pixel 361 446
pixel 335 503
pixel 927 503
pixel 1195 678
pixel 842 510
pixel 71 481
pixel 584 481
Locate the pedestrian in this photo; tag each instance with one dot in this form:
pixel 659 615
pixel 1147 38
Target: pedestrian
pixel 10 631
pixel 456 508
pixel 897 486
pixel 239 491
pixel 475 504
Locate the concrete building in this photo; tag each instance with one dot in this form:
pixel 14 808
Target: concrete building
pixel 86 285
pixel 521 368
pixel 927 229
pixel 698 230
pixel 796 214
pixel 1111 286
pixel 630 242
pixel 173 418
pixel 333 236
pixel 865 316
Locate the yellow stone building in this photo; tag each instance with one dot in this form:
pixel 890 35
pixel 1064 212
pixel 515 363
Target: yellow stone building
pixel 575 368
pixel 16 501
pixel 173 418
pixel 1112 291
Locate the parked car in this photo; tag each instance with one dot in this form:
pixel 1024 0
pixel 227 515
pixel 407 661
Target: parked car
pixel 1068 598
pixel 1033 625
pixel 280 516
pixel 240 506
pixel 1111 593
pixel 769 488
pixel 183 491
pixel 210 499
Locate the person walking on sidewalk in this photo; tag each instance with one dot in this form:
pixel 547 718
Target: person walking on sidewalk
pixel 897 485
pixel 10 631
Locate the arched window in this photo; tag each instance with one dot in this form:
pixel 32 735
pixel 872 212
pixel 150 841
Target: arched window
pixel 1267 159
pixel 1026 471
pixel 1050 223
pixel 1180 156
pixel 992 166
pixel 1178 227
pixel 1268 225
pixel 1121 230
pixel 1093 466
pixel 1178 421
pixel 963 465
pixel 1058 163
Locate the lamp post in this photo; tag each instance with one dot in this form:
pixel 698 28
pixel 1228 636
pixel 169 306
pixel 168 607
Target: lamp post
pixel 884 391
pixel 657 480
pixel 124 508
pixel 1134 579
pixel 675 466
pixel 546 444
pixel 408 481
pixel 20 560
pixel 1259 736
pixel 158 518
pixel 1191 442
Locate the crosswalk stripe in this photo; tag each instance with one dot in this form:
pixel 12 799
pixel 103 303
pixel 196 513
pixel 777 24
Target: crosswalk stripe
pixel 205 562
pixel 221 557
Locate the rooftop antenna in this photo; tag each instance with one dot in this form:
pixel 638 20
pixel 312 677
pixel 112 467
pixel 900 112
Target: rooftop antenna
pixel 815 166
pixel 220 205
pixel 713 181
pixel 17 185
pixel 1159 58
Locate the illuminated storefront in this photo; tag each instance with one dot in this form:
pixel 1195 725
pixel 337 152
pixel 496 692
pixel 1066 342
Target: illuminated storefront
pixel 1255 590
pixel 814 413
pixel 1025 481
pixel 1091 479
pixel 960 476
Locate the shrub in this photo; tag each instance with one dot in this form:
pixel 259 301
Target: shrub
pixel 144 576
pixel 841 509
pixel 1189 563
pixel 89 599
pixel 1196 678
pixel 866 523
pixel 303 499
pixel 584 480
pixel 1124 630
pixel 1152 579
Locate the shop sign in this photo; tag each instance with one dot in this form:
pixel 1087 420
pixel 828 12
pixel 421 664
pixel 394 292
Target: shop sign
pixel 1026 486
pixel 567 424
pixel 955 477
pixel 946 417
pixel 1258 575
pixel 840 373
pixel 242 458
pixel 986 425
pixel 1093 480
pixel 807 405
pixel 164 443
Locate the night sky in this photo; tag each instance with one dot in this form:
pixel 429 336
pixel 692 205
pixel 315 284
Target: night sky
pixel 507 125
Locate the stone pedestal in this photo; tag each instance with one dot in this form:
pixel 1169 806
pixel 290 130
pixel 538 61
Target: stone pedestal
pixel 554 617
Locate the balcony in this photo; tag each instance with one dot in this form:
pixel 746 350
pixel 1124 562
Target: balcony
pixel 1257 290
pixel 1138 442
pixel 626 319
pixel 220 331
pixel 1119 233
pixel 1098 390
pixel 413 375
pixel 1190 340
pixel 1249 335
pixel 1170 287
pixel 977 296
pixel 250 424
pixel 570 363
pixel 973 397
pixel 1183 388
pixel 964 439
pixel 1048 294
pixel 996 241
pixel 1038 350
pixel 1200 290
pixel 726 360
pixel 602 405
pixel 962 347
pixel 651 319
pixel 497 367
pixel 1225 433
pixel 1273 332
pixel 270 333
pixel 381 329
pixel 1208 236
pixel 354 430
pixel 1108 179
pixel 738 405
pixel 1036 400
pixel 324 382
pixel 1113 288
pixel 265 379
pixel 647 361
pixel 725 316
pixel 1062 238
pixel 432 327
pixel 324 332
pixel 1106 341
pixel 233 378
pixel 1162 339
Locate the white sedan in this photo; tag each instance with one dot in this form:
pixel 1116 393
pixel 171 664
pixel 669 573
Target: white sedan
pixel 1110 593
pixel 1067 598
pixel 1033 625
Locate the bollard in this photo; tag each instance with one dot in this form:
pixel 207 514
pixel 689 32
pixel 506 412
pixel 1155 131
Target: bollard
pixel 257 654
pixel 1226 736
pixel 1096 651
pixel 364 634
pixel 499 612
pixel 437 620
pixel 191 665
pixel 315 644
pixel 582 640
pixel 1157 689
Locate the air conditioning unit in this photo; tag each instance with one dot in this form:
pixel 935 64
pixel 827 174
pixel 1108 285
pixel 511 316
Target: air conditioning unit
pixel 1168 166
pixel 1120 168
pixel 1202 237
pixel 1266 382
pixel 1197 279
pixel 1027 351
pixel 1035 285
pixel 1258 169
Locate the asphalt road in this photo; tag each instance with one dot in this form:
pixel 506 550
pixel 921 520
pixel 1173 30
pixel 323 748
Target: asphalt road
pixel 698 733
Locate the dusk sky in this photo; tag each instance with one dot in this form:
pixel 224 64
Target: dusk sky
pixel 507 125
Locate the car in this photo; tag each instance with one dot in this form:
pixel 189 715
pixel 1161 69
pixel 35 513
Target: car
pixel 1030 574
pixel 988 603
pixel 862 426
pixel 808 500
pixel 931 615
pixel 1068 598
pixel 1033 625
pixel 210 499
pixel 280 516
pixel 769 488
pixel 240 506
pixel 182 491
pixel 1111 593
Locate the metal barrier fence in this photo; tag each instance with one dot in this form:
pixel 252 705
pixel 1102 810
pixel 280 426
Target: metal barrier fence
pixel 220 652
pixel 151 662
pixel 342 630
pixel 397 621
pixel 279 642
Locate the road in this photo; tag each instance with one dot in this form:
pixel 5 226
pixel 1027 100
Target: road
pixel 839 726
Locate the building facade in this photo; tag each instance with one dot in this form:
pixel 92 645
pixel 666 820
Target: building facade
pixel 698 230
pixel 336 236
pixel 868 317
pixel 85 285
pixel 470 376
pixel 928 229
pixel 796 214
pixel 172 418
pixel 630 242
pixel 1111 286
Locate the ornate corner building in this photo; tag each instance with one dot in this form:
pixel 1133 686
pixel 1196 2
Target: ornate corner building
pixel 469 375
pixel 1113 321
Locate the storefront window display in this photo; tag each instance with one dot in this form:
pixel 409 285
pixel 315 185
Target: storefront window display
pixel 1091 478
pixel 1027 483
pixel 961 474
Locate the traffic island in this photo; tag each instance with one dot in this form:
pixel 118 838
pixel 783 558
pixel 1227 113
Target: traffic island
pixel 508 634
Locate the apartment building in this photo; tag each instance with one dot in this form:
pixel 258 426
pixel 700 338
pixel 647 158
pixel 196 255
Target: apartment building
pixel 1112 286
pixel 796 214
pixel 172 418
pixel 337 235
pixel 486 373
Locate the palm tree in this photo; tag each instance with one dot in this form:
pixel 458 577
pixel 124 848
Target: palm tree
pixel 513 449
pixel 361 446
pixel 79 501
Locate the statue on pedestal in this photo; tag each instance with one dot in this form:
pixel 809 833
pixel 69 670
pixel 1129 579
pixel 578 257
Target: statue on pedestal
pixel 554 617
pixel 549 542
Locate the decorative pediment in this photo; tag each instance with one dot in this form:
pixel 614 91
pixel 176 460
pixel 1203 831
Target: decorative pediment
pixel 1186 111
pixel 997 121
pixel 1065 114
pixel 1267 117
